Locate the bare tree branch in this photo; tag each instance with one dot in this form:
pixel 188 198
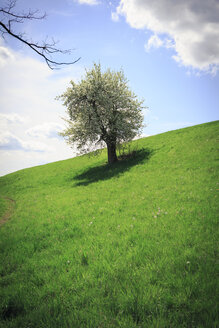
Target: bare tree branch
pixel 44 49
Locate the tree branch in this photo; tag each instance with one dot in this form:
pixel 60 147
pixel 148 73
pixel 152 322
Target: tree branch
pixel 44 49
pixel 30 15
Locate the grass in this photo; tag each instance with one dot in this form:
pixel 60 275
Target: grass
pixel 133 245
pixel 3 206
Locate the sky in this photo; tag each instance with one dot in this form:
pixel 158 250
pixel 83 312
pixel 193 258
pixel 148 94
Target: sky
pixel 168 50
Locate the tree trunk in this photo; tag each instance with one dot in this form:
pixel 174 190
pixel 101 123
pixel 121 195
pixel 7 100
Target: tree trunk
pixel 111 150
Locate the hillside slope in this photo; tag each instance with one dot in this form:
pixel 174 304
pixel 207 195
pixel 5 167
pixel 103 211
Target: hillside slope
pixel 134 245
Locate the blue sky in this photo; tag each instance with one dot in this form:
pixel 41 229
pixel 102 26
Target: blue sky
pixel 169 52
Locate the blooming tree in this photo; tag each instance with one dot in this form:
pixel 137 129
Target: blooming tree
pixel 101 110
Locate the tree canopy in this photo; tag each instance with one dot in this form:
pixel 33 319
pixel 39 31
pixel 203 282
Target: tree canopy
pixel 101 109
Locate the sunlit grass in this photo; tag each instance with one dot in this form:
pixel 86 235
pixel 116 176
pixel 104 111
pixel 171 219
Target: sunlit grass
pixel 133 245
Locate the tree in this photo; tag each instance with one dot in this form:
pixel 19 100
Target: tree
pixel 101 109
pixel 9 17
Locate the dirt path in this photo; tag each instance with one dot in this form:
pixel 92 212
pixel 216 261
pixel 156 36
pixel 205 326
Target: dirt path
pixel 8 213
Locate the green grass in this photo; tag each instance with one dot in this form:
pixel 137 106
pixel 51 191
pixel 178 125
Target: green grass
pixel 3 206
pixel 133 245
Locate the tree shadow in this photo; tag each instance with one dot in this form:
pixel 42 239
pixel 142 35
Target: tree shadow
pixel 106 171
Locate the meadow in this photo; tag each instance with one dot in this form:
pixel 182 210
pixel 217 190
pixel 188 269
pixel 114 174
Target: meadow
pixel 85 244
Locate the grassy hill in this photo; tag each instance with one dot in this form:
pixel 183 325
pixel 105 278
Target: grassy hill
pixel 83 244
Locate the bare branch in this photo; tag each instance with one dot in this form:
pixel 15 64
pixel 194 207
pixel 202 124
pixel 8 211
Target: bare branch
pixel 29 15
pixel 44 49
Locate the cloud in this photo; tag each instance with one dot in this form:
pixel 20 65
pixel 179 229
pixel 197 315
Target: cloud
pixel 142 135
pixel 12 118
pixel 49 130
pixel 27 102
pixel 153 42
pixel 191 27
pixel 115 16
pixel 9 141
pixel 5 55
pixel 88 2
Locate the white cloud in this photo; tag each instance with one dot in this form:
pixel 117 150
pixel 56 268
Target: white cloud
pixel 9 141
pixel 115 16
pixel 5 55
pixel 49 130
pixel 192 26
pixel 88 2
pixel 153 42
pixel 142 135
pixel 12 118
pixel 27 103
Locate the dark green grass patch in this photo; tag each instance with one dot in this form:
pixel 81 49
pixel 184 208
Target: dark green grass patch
pixel 132 245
